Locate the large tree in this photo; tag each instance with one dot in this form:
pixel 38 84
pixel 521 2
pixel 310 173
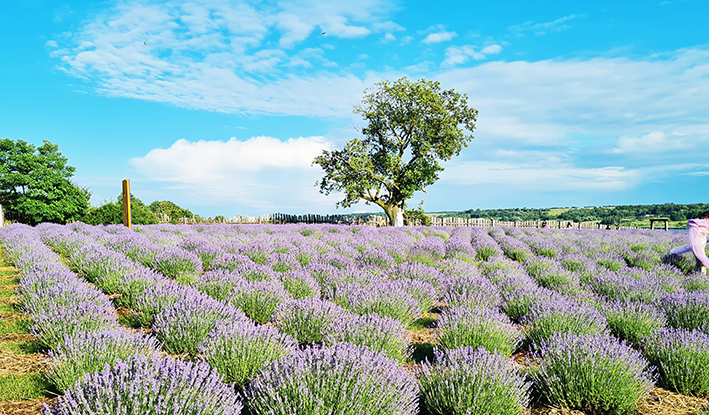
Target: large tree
pixel 36 186
pixel 411 128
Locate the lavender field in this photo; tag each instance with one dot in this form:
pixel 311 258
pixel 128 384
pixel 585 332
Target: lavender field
pixel 330 319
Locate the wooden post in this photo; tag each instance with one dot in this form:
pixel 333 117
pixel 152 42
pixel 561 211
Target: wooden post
pixel 2 218
pixel 126 203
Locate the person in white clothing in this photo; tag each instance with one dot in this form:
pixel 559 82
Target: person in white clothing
pixel 399 218
pixel 698 232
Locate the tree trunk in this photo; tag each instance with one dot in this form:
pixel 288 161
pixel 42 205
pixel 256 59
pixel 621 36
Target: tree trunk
pixel 391 212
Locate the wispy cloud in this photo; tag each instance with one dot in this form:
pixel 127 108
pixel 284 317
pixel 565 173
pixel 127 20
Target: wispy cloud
pixel 215 55
pixel 457 55
pixel 438 34
pixel 541 29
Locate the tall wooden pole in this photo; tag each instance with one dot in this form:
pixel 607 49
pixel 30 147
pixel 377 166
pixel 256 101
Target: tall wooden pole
pixel 126 203
pixel 2 218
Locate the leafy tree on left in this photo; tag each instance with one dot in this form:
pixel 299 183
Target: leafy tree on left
pixel 35 183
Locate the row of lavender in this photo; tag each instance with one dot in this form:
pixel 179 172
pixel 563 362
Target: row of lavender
pixel 397 274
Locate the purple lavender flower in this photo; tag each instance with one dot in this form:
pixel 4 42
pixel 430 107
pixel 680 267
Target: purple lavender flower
pixel 309 321
pixel 633 320
pixel 592 372
pixel 257 252
pixel 513 248
pixel 456 268
pixel 478 327
pixel 254 272
pixel 681 357
pixel 229 262
pixel 258 299
pixel 687 310
pixel 55 322
pixel 562 316
pixel 177 263
pixel 417 271
pixel 543 246
pixel 472 381
pixel 218 284
pixel 183 325
pixel 239 350
pixel 429 251
pixel 386 298
pixel 343 379
pixel 89 351
pixel 376 332
pixel 470 292
pixel 300 284
pixel 460 247
pixel 156 297
pixel 376 257
pixel 485 246
pixel 150 386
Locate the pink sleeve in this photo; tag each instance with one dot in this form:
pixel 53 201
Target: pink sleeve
pixel 697 239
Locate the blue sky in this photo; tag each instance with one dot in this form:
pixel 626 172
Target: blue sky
pixel 220 106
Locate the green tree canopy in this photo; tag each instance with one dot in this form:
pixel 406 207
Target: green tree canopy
pixel 111 213
pixel 170 209
pixel 411 128
pixel 35 183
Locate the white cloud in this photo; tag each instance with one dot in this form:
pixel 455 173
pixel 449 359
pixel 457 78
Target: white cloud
pixel 457 55
pixel 491 50
pixel 388 38
pixel 214 55
pixel 654 142
pixel 259 173
pixel 540 175
pixel 439 37
pixel 541 29
pixel 437 34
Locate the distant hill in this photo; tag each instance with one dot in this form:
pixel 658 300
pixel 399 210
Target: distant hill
pixel 608 215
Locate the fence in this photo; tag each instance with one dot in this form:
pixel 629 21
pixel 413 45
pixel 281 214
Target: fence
pixel 551 224
pixel 376 221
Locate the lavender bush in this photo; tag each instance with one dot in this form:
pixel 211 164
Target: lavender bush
pixel 150 386
pixel 682 358
pixel 156 298
pixel 258 299
pixel 177 263
pixel 562 316
pixel 518 302
pixel 472 381
pixel 343 379
pixel 218 284
pixel 185 324
pixel 696 281
pixel 300 284
pixel 633 320
pixel 591 372
pixel 59 321
pixel 389 299
pixel 89 351
pixel 478 327
pixel 239 350
pixel 470 292
pixel 309 321
pixel 377 333
pixel 687 310
pixel 229 262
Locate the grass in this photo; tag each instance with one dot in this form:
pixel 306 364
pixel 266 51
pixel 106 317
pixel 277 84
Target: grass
pixel 28 386
pixel 22 347
pixel 426 322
